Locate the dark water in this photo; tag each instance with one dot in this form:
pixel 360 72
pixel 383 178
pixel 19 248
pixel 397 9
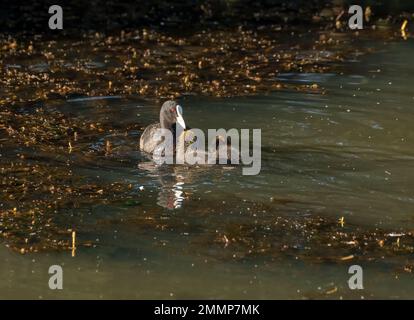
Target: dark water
pixel 214 233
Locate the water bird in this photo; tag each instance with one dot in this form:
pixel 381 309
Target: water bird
pixel 171 118
pixel 171 114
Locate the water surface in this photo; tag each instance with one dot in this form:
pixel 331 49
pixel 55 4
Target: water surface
pixel 214 233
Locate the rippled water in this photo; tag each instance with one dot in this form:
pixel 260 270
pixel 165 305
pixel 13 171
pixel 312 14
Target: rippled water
pixel 194 233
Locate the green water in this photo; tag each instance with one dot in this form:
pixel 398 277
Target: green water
pixel 345 153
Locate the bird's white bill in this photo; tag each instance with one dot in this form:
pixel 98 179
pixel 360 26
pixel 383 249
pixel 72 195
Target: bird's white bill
pixel 180 118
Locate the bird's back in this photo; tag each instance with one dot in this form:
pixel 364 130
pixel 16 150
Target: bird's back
pixel 147 142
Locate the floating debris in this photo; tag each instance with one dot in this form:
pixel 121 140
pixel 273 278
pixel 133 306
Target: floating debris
pixel 350 257
pixel 332 291
pixel 226 240
pixel 212 62
pixel 73 243
pixel 403 30
pixel 394 234
pixel 404 26
pixel 107 147
pixel 368 13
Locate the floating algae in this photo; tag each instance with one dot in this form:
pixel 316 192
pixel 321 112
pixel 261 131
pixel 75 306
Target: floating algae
pixel 157 65
pixel 38 183
pixel 252 231
pixel 37 202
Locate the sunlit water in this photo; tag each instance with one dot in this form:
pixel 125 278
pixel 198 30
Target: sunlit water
pixel 346 153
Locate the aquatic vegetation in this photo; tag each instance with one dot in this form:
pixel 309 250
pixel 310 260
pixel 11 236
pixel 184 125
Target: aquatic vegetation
pixel 38 200
pixel 157 65
pixel 38 176
pixel 238 231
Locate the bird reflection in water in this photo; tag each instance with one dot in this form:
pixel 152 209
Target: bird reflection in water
pixel 172 180
pixel 178 197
